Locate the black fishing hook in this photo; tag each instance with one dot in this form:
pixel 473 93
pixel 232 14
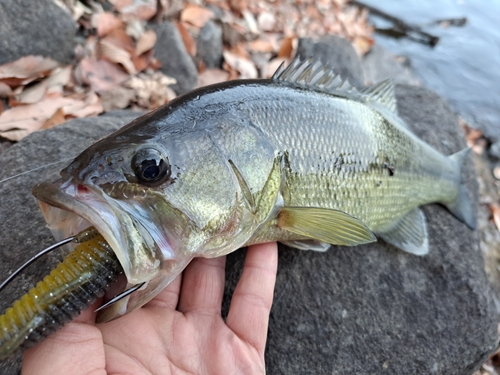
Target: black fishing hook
pixel 120 296
pixel 33 259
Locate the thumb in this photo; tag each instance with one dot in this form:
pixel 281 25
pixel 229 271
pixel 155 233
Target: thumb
pixel 75 349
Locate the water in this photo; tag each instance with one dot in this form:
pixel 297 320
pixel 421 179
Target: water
pixel 464 67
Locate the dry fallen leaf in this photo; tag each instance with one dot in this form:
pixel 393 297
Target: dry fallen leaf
pixel 260 45
pixel 152 90
pixel 105 23
pixel 113 53
pixel 83 105
pixel 287 47
pixel 146 42
pixel 28 68
pixel 56 119
pixel 495 212
pixel 5 90
pixel 245 67
pixel 187 39
pixel 99 74
pixel 196 15
pixel 211 76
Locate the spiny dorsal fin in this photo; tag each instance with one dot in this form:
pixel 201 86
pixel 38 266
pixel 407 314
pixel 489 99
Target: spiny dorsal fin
pixel 313 74
pixel 382 93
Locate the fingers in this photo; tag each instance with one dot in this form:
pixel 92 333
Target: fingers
pixel 75 349
pixel 252 299
pixel 203 286
pixel 168 297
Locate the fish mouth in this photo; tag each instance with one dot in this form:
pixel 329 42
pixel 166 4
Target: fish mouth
pixel 142 248
pixel 69 208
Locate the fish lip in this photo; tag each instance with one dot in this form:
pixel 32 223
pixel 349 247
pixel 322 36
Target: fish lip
pixel 67 211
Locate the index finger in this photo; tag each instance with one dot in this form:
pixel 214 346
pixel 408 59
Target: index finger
pixel 248 315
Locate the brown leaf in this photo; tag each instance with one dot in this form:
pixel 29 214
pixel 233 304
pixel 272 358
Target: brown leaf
pixel 99 74
pixel 5 90
pixel 32 94
pixel 260 45
pixel 114 53
pixel 287 47
pixel 89 105
pixel 105 23
pixel 196 15
pixel 245 67
pixel 495 212
pixel 18 122
pixel 187 39
pixel 146 42
pixel 120 39
pixel 211 76
pixel 28 68
pixel 143 61
pixel 56 119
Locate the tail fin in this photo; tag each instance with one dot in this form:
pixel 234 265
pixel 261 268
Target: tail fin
pixel 462 207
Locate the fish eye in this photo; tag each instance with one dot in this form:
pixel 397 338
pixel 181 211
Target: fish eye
pixel 150 166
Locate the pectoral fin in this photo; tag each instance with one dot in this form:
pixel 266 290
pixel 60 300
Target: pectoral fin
pixel 409 233
pixel 326 225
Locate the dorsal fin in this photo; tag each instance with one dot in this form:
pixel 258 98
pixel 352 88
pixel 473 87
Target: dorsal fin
pixel 313 74
pixel 382 93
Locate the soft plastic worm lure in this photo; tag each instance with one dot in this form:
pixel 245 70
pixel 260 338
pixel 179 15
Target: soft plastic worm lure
pixel 83 276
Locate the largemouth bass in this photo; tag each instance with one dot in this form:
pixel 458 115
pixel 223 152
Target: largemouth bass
pixel 302 158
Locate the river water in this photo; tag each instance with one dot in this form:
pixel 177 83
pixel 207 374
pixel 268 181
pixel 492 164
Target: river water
pixel 464 67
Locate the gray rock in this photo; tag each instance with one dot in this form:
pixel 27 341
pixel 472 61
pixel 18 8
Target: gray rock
pixel 380 64
pixel 175 60
pixel 367 310
pixel 494 150
pixel 337 53
pixel 35 28
pixel 209 45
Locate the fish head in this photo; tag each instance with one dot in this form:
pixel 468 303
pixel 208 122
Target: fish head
pixel 158 198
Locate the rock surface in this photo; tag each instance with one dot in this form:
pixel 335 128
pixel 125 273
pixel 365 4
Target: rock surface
pixel 380 64
pixel 209 45
pixel 327 49
pixel 370 309
pixel 35 28
pixel 175 60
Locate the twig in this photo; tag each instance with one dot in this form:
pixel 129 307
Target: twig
pixel 400 26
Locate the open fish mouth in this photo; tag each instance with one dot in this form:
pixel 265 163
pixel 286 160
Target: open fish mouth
pixel 142 249
pixel 69 208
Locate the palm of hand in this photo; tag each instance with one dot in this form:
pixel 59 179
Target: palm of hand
pixel 180 331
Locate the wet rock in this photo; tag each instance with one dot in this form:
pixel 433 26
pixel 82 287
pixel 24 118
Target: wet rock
pixel 209 45
pixel 176 61
pixel 337 53
pixel 35 28
pixel 380 64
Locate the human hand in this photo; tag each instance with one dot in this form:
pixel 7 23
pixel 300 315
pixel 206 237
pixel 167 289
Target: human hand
pixel 180 331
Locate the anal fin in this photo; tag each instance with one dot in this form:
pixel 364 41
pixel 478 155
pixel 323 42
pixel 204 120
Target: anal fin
pixel 409 233
pixel 326 225
pixel 313 245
